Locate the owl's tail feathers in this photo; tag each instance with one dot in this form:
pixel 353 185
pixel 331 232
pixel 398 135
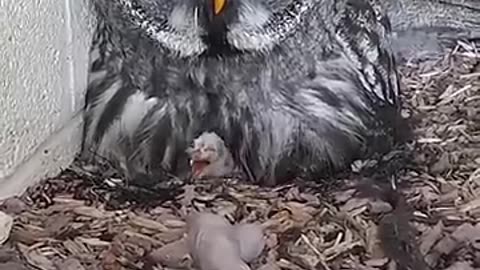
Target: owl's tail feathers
pixel 425 27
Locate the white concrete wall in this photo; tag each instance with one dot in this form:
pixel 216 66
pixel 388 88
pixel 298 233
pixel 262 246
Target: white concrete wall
pixel 43 67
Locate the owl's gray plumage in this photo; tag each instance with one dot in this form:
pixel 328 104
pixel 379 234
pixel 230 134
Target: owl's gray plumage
pixel 425 27
pixel 295 87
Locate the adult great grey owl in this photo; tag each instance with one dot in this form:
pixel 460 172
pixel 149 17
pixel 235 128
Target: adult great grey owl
pixel 294 87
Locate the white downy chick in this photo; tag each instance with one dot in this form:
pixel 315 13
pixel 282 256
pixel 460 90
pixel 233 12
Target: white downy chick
pixel 209 157
pixel 251 240
pixel 211 243
pixel 214 244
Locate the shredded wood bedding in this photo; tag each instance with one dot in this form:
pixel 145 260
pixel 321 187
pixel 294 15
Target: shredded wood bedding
pixel 85 220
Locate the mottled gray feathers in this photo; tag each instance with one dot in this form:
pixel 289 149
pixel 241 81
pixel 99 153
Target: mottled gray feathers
pixel 293 87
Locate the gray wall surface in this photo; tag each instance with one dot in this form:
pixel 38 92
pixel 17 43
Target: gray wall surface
pixel 44 58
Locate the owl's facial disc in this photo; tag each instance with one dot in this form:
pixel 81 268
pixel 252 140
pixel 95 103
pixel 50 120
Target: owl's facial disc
pixel 194 27
pixel 250 25
pixel 262 24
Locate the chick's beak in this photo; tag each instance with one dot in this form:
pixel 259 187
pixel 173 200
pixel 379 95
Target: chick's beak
pixel 218 6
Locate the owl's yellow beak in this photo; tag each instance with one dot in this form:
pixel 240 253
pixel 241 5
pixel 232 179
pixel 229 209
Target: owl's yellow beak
pixel 218 6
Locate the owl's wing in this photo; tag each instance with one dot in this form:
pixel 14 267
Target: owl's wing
pixel 107 95
pixel 364 32
pixel 102 82
pixel 124 124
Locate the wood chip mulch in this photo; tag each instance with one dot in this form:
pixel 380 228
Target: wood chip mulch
pixel 424 216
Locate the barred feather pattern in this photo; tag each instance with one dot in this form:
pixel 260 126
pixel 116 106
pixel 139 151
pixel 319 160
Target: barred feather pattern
pixel 304 103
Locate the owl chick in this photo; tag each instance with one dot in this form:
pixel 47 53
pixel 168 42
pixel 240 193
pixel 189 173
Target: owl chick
pixel 209 157
pixel 214 244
